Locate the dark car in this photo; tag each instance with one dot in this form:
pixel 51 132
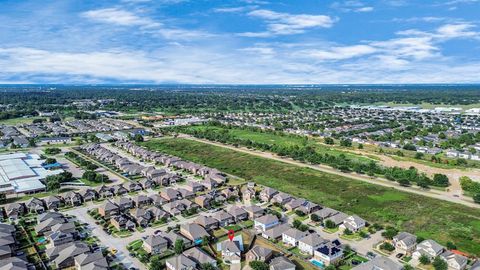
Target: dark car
pixel 399 255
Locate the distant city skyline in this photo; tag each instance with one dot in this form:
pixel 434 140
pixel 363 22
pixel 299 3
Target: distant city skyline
pixel 240 42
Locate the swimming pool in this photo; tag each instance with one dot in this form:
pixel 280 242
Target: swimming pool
pixel 41 240
pixel 318 264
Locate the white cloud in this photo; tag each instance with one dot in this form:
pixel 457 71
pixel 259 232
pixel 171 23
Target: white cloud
pixel 364 9
pixel 211 65
pixel 279 23
pixel 339 53
pixel 351 6
pixel 119 17
pixel 233 9
pixel 460 30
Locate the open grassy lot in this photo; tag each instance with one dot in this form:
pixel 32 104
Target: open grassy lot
pixel 421 215
pixel 20 120
pixel 282 140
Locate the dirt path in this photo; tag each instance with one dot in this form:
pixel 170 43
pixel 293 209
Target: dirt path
pixel 437 194
pixel 453 174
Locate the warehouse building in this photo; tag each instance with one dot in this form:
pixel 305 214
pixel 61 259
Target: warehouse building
pixel 23 173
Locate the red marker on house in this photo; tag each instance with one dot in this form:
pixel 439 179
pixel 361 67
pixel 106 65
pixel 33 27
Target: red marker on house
pixel 231 235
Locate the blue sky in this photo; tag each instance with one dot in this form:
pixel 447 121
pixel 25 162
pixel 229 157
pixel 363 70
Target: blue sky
pixel 240 42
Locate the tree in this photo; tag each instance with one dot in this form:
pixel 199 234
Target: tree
pixel 476 198
pixel 179 246
pixel 390 232
pixel 31 142
pixel 439 264
pixel 387 246
pixel 296 223
pixel 419 155
pixel 451 245
pixel 424 259
pixel 360 146
pixel 50 161
pixel 346 142
pixel 53 184
pixel 138 138
pixel 329 141
pixel 156 263
pixel 52 151
pixel 329 224
pixel 3 197
pixel 207 266
pixel 408 267
pixel 258 265
pixel 440 180
pixel 410 147
pixel 330 267
pixel 404 182
pixel 347 231
pixel 314 217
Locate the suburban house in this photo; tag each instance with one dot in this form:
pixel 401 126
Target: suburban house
pixel 310 243
pixel 194 232
pixel 35 205
pixel 88 194
pixel 94 260
pixel 248 194
pixel 180 262
pixel 281 263
pixel 155 244
pixel 170 194
pixel 259 253
pixel 231 252
pixel 157 200
pixel 200 257
pixel 275 232
pixel 194 186
pixel 147 183
pixel 379 263
pixel 325 213
pixel 266 222
pixel 428 248
pixel 124 203
pixel 454 261
pixel 73 198
pixel 292 236
pixel 238 213
pixel 223 218
pixel 338 218
pixel 141 201
pixel 267 194
pixel 281 198
pixel 254 211
pixel 207 222
pixel 158 213
pixel 353 223
pixel 204 201
pixel 108 209
pixel 104 191
pixel 329 252
pixel 133 187
pixel 405 242
pixel 15 210
pixel 186 194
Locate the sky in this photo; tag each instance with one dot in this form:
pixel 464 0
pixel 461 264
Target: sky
pixel 240 41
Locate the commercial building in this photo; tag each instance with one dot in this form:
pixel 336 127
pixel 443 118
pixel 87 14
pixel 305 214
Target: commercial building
pixel 23 173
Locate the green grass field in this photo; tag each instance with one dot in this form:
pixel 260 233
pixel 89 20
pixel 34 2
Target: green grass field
pixel 20 120
pixel 287 140
pixel 426 217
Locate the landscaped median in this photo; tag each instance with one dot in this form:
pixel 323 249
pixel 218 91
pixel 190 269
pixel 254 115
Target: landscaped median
pixel 427 217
